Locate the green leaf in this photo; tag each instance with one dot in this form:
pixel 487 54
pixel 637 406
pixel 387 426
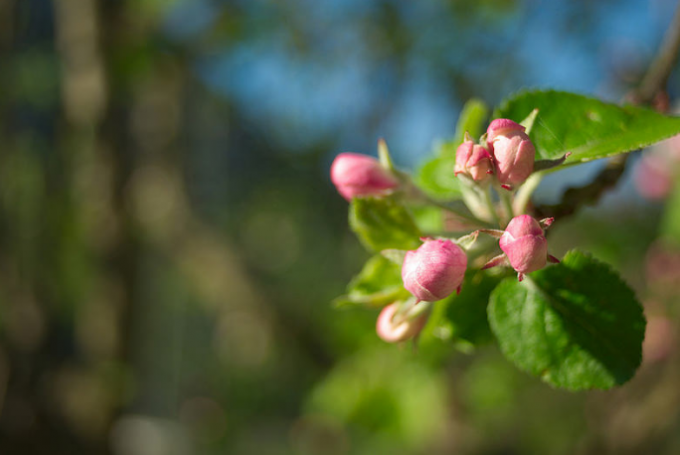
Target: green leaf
pixel 429 218
pixel 577 325
pixel 378 284
pixel 528 122
pixel 382 223
pixel 471 119
pixel 467 312
pixel 435 177
pixel 588 128
pixel 384 155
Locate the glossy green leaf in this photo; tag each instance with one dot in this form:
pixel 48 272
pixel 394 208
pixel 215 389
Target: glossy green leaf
pixel 587 128
pixel 383 223
pixel 577 325
pixel 378 284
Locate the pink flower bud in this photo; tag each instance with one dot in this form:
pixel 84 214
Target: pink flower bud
pixel 513 151
pixel 473 160
pixel 525 245
pixel 393 332
pixel 660 339
pixel 361 175
pixel 502 126
pixel 435 270
pixel 654 177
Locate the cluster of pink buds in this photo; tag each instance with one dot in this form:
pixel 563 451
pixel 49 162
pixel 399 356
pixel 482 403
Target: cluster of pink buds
pixel 524 246
pixel 432 272
pixel 356 175
pixel 509 153
pixel 436 269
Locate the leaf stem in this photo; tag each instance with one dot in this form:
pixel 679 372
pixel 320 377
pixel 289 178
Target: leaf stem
pixel 507 206
pixel 524 193
pixel 459 213
pixel 410 310
pixel 488 199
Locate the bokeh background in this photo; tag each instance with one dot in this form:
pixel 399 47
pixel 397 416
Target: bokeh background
pixel 170 241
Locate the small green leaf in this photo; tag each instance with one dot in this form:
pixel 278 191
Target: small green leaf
pixel 588 128
pixel 384 155
pixel 435 177
pixel 577 325
pixel 528 122
pixel 471 120
pixel 382 223
pixel 544 165
pixel 378 284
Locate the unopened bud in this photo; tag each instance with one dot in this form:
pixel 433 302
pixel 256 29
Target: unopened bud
pixel 513 151
pixel 394 329
pixel 473 160
pixel 525 245
pixel 361 175
pixel 435 270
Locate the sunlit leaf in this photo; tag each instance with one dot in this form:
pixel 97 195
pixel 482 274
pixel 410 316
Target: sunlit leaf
pixel 587 128
pixel 577 325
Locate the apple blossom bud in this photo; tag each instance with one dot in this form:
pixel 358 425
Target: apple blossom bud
pixel 393 330
pixel 435 270
pixel 525 245
pixel 473 160
pixel 654 177
pixel 361 175
pixel 513 151
pixel 502 126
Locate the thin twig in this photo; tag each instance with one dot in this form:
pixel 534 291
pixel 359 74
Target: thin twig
pixel 488 200
pixel 653 83
pixel 589 194
pixel 660 69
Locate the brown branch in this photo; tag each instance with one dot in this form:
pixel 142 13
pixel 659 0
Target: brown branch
pixel 660 69
pixel 652 86
pixel 590 194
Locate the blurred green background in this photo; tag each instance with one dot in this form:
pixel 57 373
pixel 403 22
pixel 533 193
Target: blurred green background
pixel 170 241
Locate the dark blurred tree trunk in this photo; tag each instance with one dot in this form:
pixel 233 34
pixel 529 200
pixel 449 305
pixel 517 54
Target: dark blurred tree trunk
pixel 84 268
